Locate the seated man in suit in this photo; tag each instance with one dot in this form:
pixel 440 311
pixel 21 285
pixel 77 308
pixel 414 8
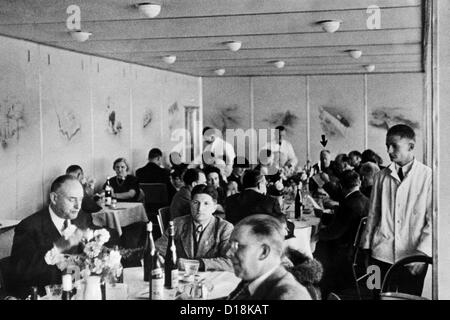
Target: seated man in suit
pixel 200 235
pixel 252 200
pixel 335 246
pixel 256 250
pixel 35 235
pixel 181 201
pixel 367 172
pixel 152 172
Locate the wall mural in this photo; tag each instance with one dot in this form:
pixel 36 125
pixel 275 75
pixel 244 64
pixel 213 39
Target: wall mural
pixel 227 118
pixel 173 117
pixel 68 123
pixel 148 117
pixel 286 119
pixel 114 125
pixel 11 120
pixel 334 122
pixel 384 118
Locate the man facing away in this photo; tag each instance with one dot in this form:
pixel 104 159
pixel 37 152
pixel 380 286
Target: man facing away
pixel 152 172
pixel 399 219
pixel 256 250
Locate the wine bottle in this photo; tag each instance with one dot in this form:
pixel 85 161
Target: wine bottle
pixel 170 266
pixel 66 286
pixel 298 204
pixel 34 293
pixel 157 279
pixel 149 252
pixel 108 193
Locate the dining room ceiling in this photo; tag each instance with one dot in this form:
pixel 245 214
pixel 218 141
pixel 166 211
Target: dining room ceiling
pixel 195 32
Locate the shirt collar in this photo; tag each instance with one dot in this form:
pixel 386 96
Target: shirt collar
pixel 196 224
pixel 57 221
pixel 406 168
pixel 257 282
pixel 351 192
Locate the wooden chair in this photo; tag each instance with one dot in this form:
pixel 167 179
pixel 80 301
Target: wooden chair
pixel 358 271
pixel 156 196
pixel 163 218
pixel 387 292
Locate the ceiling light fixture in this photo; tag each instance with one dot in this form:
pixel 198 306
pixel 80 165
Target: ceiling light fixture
pixel 219 72
pixel 79 35
pixel 279 64
pixel 355 54
pixel 330 26
pixel 151 10
pixel 369 67
pixel 169 59
pixel 233 45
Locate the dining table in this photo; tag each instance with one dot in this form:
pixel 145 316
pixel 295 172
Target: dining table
pixel 218 283
pixel 122 215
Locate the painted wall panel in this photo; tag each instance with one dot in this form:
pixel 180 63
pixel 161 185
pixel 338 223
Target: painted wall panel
pixel 282 101
pixel 337 110
pixel 147 120
pixel 66 116
pixel 111 87
pixel 393 99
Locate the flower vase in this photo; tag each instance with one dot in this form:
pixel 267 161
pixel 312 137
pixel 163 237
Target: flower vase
pixel 92 290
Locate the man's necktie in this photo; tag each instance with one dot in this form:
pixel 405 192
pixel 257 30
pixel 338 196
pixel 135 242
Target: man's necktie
pixel 400 174
pixel 65 224
pixel 198 232
pixel 241 292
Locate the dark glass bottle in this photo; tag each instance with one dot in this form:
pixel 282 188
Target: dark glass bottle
pixel 34 293
pixel 108 193
pixel 66 286
pixel 149 252
pixel 170 266
pixel 157 279
pixel 298 204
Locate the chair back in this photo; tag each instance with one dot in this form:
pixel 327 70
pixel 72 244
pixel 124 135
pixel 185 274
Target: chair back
pixel 163 218
pixel 357 264
pixel 155 196
pixel 393 270
pixel 333 296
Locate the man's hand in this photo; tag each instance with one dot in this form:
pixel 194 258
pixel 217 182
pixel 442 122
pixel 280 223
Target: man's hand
pixel 416 268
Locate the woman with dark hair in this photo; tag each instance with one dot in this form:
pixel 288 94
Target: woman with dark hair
pixel 371 156
pixel 125 186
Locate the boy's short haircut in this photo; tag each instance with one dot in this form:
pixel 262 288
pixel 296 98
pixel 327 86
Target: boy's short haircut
pixel 403 131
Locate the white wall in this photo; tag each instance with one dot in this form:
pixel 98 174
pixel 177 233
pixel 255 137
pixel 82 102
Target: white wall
pixel 55 107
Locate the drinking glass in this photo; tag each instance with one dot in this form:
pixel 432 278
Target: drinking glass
pixel 54 291
pixel 190 268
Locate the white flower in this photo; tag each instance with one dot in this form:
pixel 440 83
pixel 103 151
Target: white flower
pixel 54 256
pixel 98 266
pixel 68 232
pixel 102 235
pixel 114 258
pixel 88 234
pixel 92 249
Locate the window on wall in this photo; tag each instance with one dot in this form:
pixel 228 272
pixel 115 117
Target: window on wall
pixel 192 125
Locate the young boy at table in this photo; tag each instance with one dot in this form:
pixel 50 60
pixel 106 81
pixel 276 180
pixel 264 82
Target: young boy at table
pixel 399 219
pixel 200 235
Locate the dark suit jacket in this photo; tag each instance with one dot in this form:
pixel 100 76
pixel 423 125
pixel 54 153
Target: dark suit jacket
pixel 33 237
pixel 152 173
pixel 345 224
pixel 213 245
pixel 248 202
pixel 280 285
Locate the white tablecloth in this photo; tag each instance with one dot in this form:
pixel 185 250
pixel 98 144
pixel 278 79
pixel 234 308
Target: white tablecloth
pixel 126 213
pixel 223 283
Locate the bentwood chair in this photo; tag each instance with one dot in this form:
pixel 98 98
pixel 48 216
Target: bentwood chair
pixel 389 290
pixel 163 218
pixel 358 268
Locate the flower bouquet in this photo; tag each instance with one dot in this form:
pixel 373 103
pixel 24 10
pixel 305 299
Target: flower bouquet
pixel 92 260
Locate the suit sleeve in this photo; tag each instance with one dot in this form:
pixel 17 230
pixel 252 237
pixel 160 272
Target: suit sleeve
pixel 338 227
pixel 374 215
pixel 27 257
pixel 221 262
pixel 425 240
